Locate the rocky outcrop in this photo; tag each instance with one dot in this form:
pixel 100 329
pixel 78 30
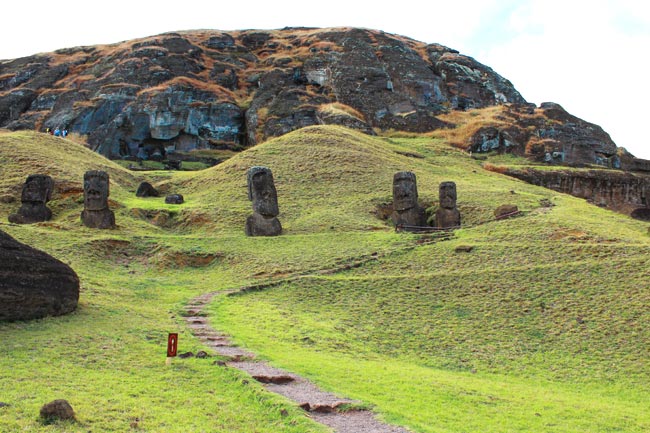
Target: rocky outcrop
pixel 621 191
pixel 547 134
pixel 34 284
pixel 178 92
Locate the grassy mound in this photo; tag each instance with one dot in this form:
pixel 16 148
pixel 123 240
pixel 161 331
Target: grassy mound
pixel 540 327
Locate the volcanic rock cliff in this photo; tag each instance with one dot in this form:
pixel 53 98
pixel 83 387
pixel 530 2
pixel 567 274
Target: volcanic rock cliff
pixel 211 89
pixel 180 92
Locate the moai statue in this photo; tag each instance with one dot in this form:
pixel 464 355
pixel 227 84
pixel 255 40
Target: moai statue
pixel 96 213
pixel 261 191
pixel 447 215
pixel 37 191
pixel 406 210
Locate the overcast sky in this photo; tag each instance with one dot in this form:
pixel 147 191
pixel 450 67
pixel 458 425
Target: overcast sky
pixel 591 57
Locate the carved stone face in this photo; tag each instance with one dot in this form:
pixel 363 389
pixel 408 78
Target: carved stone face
pixel 96 190
pixel 37 189
pixel 261 191
pixel 405 191
pixel 447 195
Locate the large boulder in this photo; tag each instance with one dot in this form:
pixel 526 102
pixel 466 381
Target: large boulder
pixel 146 190
pixel 34 284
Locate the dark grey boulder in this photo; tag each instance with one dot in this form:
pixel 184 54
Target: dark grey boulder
pixel 174 199
pixel 34 284
pixel 146 190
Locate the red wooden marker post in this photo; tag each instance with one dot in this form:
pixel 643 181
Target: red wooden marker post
pixel 172 346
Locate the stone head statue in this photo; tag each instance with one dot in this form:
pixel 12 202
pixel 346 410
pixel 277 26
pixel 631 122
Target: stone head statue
pixel 96 190
pixel 261 191
pixel 447 195
pixel 447 215
pixel 405 191
pixel 37 189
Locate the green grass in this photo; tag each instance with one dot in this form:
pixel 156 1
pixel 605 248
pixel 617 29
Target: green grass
pixel 540 328
pixel 159 165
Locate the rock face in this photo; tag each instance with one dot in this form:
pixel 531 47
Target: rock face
pixel 33 284
pixel 262 192
pixel 96 213
pixel 177 92
pixel 547 134
pixel 447 215
pixel 406 210
pixel 37 191
pixel 624 192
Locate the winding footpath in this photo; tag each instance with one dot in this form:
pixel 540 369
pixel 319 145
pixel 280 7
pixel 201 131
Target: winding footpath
pixel 342 415
pixel 326 408
pixel 323 407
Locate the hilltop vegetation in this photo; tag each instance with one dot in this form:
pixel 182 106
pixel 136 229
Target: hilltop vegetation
pixel 539 328
pixel 197 94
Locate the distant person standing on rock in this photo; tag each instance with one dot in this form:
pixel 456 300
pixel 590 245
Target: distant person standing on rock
pixel 64 133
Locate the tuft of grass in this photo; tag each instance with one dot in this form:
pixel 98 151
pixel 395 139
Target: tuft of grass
pixel 468 124
pixel 338 108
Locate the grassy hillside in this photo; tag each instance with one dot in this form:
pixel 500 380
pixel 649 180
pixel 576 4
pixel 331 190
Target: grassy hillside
pixel 539 328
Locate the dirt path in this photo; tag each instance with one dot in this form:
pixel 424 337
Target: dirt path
pixel 323 407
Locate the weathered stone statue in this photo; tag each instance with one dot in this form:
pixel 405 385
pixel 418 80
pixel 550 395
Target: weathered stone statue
pixel 261 191
pixel 96 213
pixel 406 210
pixel 447 215
pixel 37 191
pixel 34 284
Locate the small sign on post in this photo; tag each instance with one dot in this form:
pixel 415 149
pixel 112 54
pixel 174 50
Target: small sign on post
pixel 172 346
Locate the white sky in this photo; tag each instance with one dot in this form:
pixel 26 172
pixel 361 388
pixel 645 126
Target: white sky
pixel 590 56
